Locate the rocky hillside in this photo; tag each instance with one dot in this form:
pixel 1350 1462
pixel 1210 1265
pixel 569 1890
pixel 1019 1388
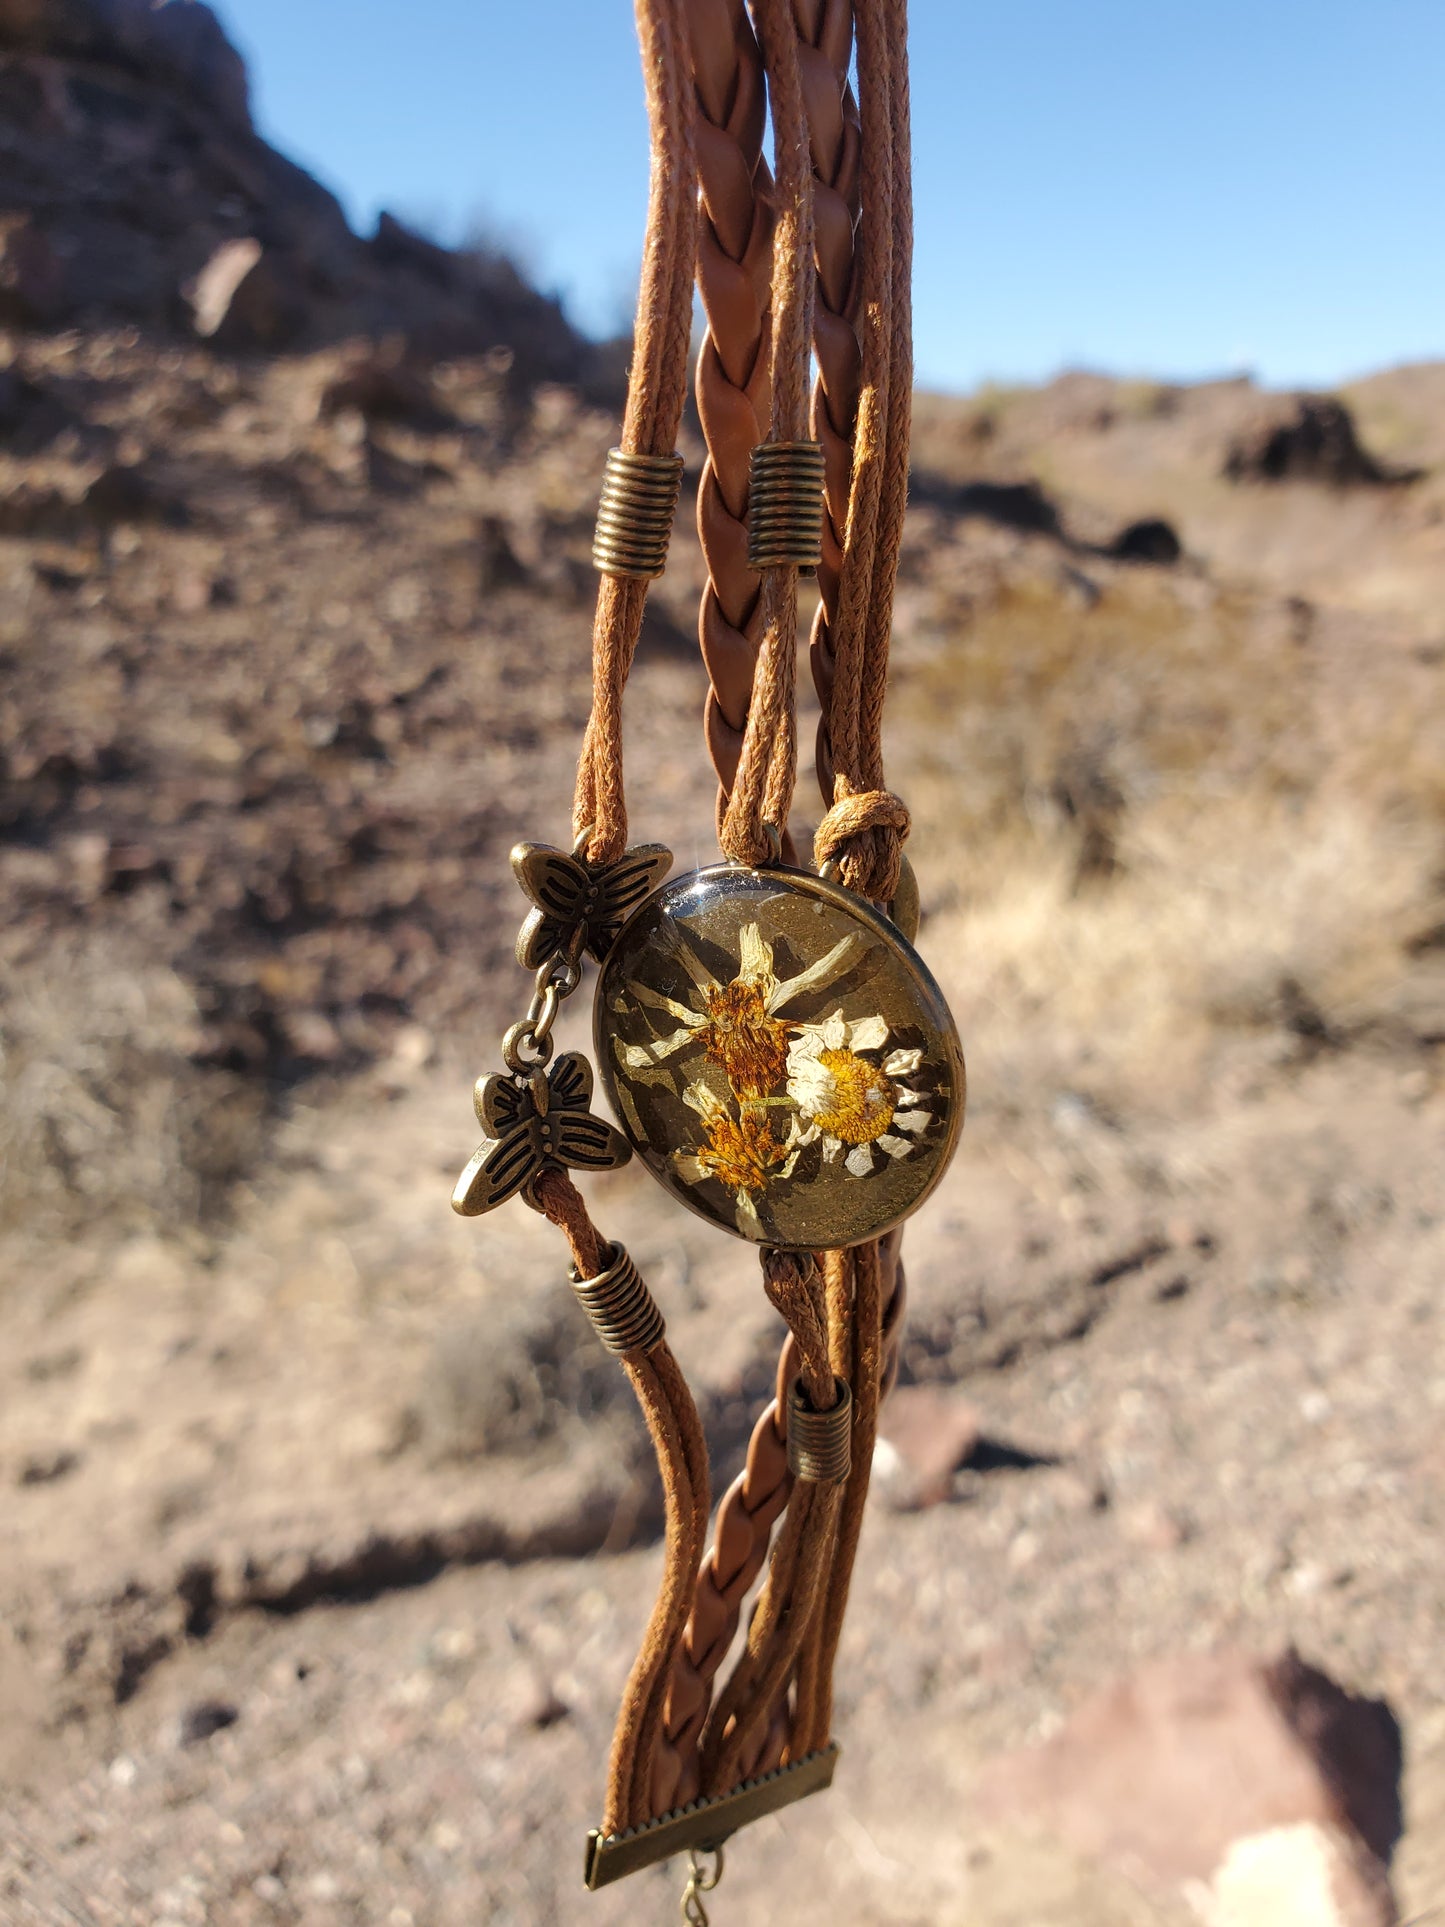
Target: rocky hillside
pixel 326 1533
pixel 134 189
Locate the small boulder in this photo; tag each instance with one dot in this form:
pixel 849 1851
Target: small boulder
pixel 127 492
pixel 242 298
pixel 497 564
pixel 1305 438
pixel 383 383
pixel 204 1720
pixel 1151 540
pixel 396 245
pixel 32 285
pixel 926 1435
pixel 1301 1876
pixel 1169 1774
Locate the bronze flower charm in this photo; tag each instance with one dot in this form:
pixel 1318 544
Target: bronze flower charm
pixel 779 1056
pixel 540 1122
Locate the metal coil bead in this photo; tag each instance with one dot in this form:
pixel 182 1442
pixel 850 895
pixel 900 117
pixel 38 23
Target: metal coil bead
pixel 624 1313
pixel 634 517
pixel 785 505
pixel 820 1444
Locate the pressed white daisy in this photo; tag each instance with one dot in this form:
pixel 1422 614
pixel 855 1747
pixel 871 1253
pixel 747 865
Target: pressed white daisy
pixel 849 1100
pixel 738 1024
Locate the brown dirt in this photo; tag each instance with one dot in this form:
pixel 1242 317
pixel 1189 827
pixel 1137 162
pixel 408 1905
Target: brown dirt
pixel 327 1534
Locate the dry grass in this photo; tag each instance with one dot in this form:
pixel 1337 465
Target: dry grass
pixel 106 1123
pixel 1166 829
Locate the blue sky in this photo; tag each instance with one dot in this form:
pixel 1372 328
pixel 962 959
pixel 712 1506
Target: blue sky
pixel 1166 189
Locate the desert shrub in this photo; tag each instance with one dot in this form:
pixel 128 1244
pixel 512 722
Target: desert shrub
pixel 105 1119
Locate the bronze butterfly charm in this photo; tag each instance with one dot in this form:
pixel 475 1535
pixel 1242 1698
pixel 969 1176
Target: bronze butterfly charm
pixel 580 905
pixel 544 1121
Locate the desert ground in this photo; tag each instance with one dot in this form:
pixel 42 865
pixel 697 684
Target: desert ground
pixel 327 1530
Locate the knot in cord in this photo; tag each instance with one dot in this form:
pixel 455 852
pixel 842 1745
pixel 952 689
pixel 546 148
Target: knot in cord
pixel 864 835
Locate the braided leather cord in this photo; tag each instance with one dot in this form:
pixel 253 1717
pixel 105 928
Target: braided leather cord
pixel 802 1553
pixel 745 1519
pixel 825 45
pixel 656 387
pixel 733 379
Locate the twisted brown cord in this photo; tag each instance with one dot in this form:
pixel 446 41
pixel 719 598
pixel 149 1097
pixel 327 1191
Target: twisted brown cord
pixel 850 680
pixel 894 500
pixel 676 1431
pixel 565 1206
pixel 670 1612
pixel 634 1742
pixel 656 389
pixel 795 1289
pixel 793 1733
pixel 733 379
pixel 863 830
pixel 768 763
pixel 657 386
pixel 814 1700
pixel 874 857
pixel 851 286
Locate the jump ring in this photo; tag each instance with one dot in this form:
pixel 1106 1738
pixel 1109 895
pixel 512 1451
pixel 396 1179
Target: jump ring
pixel 524 1048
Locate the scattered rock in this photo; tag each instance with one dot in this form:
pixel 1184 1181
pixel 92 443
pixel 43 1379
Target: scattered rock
pixel 494 1384
pixel 1165 1774
pixel 242 298
pixel 312 1036
pixel 1152 540
pixel 46 1367
pixel 1300 1876
pixel 395 244
pixel 45 1468
pixel 126 492
pixel 32 509
pixel 205 1719
pixel 497 564
pixel 176 42
pixel 382 384
pixel 31 281
pixel 30 415
pixel 1306 438
pixel 545 1710
pixel 1153 1527
pixel 926 1436
pixel 1011 505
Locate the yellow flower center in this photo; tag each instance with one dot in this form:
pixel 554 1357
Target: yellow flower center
pixel 741 1154
pixel 749 1046
pixel 862 1098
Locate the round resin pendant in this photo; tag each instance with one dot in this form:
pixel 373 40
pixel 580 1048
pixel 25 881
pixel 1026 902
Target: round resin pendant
pixel 779 1056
